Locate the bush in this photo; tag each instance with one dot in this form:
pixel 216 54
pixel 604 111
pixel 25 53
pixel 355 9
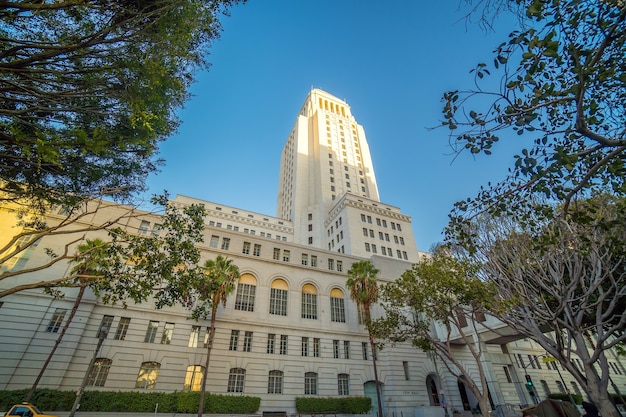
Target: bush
pixel 343 405
pixel 578 399
pixel 133 402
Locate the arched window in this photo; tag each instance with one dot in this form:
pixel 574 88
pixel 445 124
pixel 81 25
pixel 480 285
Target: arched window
pixel 236 379
pixel 337 308
pixel 310 383
pixel 278 297
pixel 309 302
pixel 246 290
pixel 148 374
pixel 433 394
pixel 99 372
pixel 275 382
pixel 193 378
pixel 343 384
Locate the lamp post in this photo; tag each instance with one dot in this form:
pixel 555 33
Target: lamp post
pixel 102 334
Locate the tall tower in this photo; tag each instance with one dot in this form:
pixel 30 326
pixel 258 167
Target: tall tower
pixel 328 188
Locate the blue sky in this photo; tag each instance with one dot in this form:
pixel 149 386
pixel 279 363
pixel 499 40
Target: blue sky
pixel 391 61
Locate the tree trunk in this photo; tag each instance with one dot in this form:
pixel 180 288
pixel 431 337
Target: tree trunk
pixel 206 364
pixel 378 396
pixel 79 298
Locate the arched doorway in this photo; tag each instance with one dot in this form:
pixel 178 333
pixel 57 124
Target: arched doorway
pixel 369 389
pixel 433 391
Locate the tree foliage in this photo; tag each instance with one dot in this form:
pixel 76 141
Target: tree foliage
pixel 436 305
pixel 89 88
pixel 363 289
pixel 212 287
pixel 563 286
pixel 562 89
pixel 123 264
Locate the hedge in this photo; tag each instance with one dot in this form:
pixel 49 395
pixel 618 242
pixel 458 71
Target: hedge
pixel 578 399
pixel 343 405
pixel 134 402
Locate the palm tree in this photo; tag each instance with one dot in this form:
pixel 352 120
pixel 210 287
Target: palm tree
pixel 218 280
pixel 89 261
pixel 364 291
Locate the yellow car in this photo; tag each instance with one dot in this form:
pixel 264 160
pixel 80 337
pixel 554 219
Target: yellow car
pixel 26 410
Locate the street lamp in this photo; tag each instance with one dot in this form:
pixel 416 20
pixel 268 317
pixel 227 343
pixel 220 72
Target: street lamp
pixel 102 334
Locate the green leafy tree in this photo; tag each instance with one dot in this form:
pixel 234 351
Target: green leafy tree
pixel 90 88
pixel 563 286
pixel 562 89
pixel 439 305
pixel 364 292
pixel 213 286
pixel 138 266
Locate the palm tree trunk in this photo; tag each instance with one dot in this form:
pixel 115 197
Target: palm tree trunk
pixel 378 398
pixel 206 364
pixel 79 298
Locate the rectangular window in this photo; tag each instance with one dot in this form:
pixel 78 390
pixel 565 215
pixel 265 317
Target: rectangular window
pixel 346 349
pixel 331 264
pixel 336 349
pixel 367 247
pixel 205 342
pixel 405 256
pixel 271 343
pixel 275 382
pixel 257 250
pixel 122 328
pixel 381 236
pixel 286 255
pixel 247 342
pixel 283 344
pixel 387 237
pixel 384 223
pixel 339 266
pixel 214 241
pixel 369 219
pixel 168 332
pixel 234 340
pixel 398 254
pixel 316 347
pixel 144 227
pixel 56 320
pixel 246 248
pixel 364 350
pixel 305 346
pixel 507 374
pixel 531 361
pixel 310 383
pixel 194 336
pixel 383 250
pixel 337 310
pixel 151 332
pixel 374 248
pixel 377 222
pixel 236 380
pixel 371 233
pixel 363 217
pixel 278 302
pixel 276 255
pixel 405 367
pixel 313 260
pixel 105 326
pixel 305 259
pixel 401 240
pixel 225 243
pixel 343 384
pixel 365 231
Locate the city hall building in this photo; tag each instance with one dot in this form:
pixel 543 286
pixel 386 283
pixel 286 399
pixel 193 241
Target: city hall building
pixel 290 328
